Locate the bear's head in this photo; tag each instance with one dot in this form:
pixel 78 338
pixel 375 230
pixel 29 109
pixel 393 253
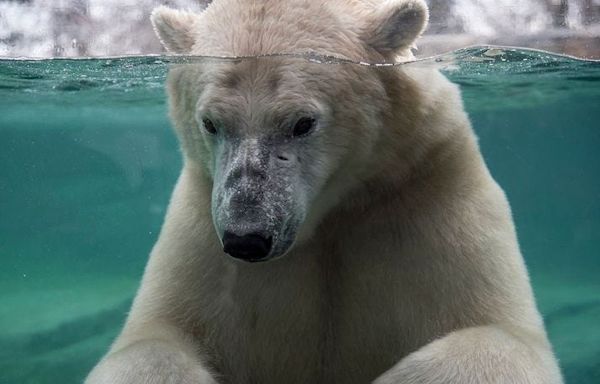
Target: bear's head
pixel 281 139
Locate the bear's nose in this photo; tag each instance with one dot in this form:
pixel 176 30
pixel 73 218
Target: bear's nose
pixel 251 247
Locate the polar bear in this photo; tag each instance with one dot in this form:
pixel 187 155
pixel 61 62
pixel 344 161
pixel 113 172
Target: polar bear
pixel 333 223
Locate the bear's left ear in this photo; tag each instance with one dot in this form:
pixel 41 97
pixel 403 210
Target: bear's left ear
pixel 396 24
pixel 174 28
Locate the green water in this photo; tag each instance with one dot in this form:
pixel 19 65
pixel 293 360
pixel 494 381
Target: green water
pixel 88 161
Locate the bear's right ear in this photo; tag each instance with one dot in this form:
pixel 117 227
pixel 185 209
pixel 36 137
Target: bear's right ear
pixel 174 28
pixel 396 24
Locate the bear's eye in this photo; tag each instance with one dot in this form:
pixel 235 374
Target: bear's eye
pixel 304 126
pixel 209 126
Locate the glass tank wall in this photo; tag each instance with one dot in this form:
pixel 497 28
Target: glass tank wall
pixel 88 161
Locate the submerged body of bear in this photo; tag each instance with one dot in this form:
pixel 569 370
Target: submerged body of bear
pixel 390 253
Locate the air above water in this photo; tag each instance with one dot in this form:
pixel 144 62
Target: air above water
pixel 88 161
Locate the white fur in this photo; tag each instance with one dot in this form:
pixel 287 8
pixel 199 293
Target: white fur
pixel 174 28
pixel 407 267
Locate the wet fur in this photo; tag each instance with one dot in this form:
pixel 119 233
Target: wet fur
pixel 407 268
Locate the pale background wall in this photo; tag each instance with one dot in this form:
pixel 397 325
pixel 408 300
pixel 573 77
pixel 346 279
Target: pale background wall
pixel 58 28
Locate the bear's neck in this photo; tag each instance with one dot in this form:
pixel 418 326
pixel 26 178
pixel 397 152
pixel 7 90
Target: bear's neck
pixel 443 170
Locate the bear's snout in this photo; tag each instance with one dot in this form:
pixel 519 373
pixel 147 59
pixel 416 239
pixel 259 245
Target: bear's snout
pixel 252 247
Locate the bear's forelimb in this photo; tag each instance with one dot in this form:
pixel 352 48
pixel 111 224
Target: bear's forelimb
pixel 487 354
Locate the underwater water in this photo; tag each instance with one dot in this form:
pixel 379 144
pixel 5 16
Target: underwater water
pixel 88 161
